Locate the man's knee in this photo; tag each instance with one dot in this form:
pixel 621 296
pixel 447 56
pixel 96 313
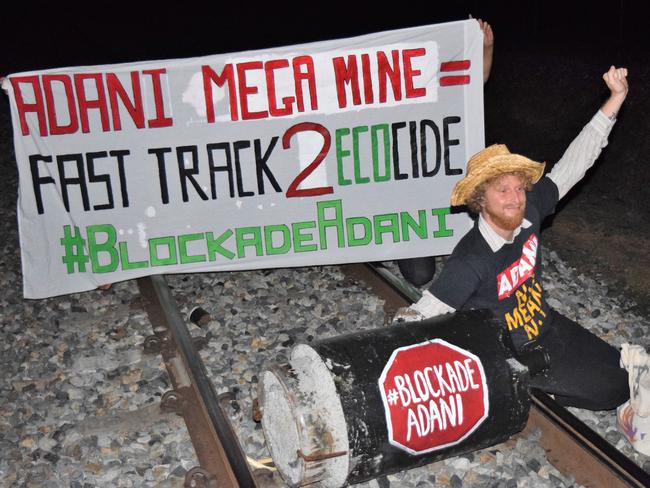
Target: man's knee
pixel 611 392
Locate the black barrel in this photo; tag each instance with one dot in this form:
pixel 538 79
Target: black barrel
pixel 357 406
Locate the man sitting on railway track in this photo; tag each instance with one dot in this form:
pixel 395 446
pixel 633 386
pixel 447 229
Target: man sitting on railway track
pixel 497 264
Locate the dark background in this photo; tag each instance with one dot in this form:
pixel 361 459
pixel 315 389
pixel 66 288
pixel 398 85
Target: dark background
pixel 58 34
pixel 545 83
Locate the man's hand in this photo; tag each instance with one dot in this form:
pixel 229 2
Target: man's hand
pixel 488 35
pixel 488 48
pixel 616 81
pixel 406 314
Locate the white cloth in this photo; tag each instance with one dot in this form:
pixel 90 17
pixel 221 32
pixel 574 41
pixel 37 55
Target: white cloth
pixel 634 415
pixel 430 306
pixel 636 361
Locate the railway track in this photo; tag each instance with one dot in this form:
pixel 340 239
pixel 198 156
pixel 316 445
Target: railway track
pixel 571 446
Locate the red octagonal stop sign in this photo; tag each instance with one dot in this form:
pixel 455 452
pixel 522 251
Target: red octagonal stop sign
pixel 435 395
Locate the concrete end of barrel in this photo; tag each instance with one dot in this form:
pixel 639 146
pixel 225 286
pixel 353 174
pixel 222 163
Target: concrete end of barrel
pixel 303 421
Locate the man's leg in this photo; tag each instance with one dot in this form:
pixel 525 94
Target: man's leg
pixel 584 370
pixel 418 271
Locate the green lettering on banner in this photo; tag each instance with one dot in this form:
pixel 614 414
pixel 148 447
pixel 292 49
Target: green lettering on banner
pixel 336 222
pixel 365 223
pixel 358 179
pixel 386 224
pixel 375 152
pixel 269 248
pixel 170 243
pixel 442 231
pixel 408 222
pixel 215 245
pixel 299 238
pixel 182 248
pixel 124 259
pixel 242 241
pixel 108 247
pixel 340 154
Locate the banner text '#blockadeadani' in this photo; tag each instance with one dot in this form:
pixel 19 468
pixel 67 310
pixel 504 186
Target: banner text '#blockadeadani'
pixel 105 254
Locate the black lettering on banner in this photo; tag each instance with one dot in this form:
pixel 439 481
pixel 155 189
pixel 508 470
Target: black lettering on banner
pixel 102 178
pixel 162 172
pixel 187 174
pixel 414 148
pixel 119 154
pixel 225 147
pixel 450 142
pixel 262 168
pixel 106 179
pixel 38 180
pixel 66 181
pixel 86 162
pixel 394 128
pixel 426 172
pixel 238 146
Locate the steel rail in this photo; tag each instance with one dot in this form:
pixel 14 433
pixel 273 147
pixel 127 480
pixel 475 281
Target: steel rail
pixel 572 446
pixel 222 461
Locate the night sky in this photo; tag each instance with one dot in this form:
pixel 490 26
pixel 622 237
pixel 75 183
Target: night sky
pixel 60 35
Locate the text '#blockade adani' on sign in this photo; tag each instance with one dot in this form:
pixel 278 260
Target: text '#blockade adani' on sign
pixel 435 395
pixel 323 153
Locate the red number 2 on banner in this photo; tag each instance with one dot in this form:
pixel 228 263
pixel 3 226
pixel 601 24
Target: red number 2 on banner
pixel 293 190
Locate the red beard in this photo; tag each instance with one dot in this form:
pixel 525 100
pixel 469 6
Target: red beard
pixel 506 222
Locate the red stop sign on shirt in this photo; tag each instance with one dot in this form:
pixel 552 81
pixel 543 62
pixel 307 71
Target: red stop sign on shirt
pixel 435 395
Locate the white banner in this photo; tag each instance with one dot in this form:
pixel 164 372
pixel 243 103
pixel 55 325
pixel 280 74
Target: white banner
pixel 322 153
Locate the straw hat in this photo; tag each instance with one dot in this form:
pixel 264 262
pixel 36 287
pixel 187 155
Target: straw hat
pixel 490 162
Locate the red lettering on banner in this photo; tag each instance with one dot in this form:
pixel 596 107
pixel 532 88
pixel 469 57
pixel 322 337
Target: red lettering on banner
pixel 245 90
pixel 309 76
pixel 409 73
pixel 518 272
pixel 226 76
pixel 348 77
pixel 271 66
pixel 293 190
pixel 240 88
pixel 134 108
pixel 24 107
pixel 346 74
pixel 73 124
pixel 386 71
pixel 160 120
pixel 65 111
pixel 85 103
pixel 367 80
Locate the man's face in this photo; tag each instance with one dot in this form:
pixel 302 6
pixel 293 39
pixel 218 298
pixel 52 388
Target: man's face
pixel 504 203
